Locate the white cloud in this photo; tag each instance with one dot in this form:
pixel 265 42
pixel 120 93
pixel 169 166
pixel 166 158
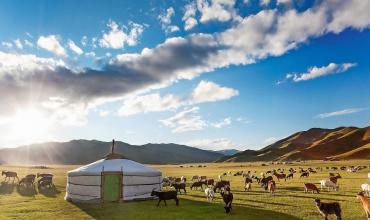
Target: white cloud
pixel 340 112
pixel 104 113
pixel 315 72
pixel 243 120
pixel 165 19
pixel 18 44
pixel 116 38
pixel 283 2
pixel 217 10
pixel 90 54
pixel 187 120
pixel 207 91
pixel 7 44
pixel 28 43
pixel 189 16
pixel 84 41
pixel 72 46
pixel 149 103
pixel 265 2
pixel 212 144
pixel 51 44
pixel 223 123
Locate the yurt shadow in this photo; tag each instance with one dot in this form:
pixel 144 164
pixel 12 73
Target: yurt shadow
pixel 187 209
pixel 6 188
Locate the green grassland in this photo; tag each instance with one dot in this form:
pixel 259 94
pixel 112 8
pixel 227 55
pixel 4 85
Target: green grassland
pixel 289 202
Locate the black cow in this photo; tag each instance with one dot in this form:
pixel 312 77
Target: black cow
pixel 165 196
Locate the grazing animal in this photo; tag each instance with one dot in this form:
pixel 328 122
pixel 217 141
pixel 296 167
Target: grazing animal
pixel 44 175
pixel 195 178
pixel 210 194
pixel 271 186
pixel 280 176
pixel 221 184
pixel 28 180
pixel 264 182
pixel 289 176
pixel 9 174
pixel 326 209
pixel 310 187
pixel 45 182
pixel 305 174
pixel 334 179
pixel 329 184
pixel 179 186
pixel 366 188
pixel 228 197
pixel 365 203
pixel 165 196
pixel 210 182
pixel 183 179
pixel 197 184
pixel 248 186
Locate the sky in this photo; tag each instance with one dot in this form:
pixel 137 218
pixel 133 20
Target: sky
pixel 214 74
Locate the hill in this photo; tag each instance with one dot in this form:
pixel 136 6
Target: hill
pixel 86 151
pixel 340 143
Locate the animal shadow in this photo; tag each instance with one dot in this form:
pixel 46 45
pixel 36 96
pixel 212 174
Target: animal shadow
pixel 26 190
pixel 6 187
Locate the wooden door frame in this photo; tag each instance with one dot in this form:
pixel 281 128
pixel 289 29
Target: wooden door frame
pixel 114 173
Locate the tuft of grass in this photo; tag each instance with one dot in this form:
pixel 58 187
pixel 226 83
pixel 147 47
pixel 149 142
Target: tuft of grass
pixel 289 202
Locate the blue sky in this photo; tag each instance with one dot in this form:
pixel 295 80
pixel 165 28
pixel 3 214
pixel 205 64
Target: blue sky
pixel 209 73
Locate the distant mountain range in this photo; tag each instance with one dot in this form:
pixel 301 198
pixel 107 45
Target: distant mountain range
pixel 87 151
pixel 342 143
pixel 228 152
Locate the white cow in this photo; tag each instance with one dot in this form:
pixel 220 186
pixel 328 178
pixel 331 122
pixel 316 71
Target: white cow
pixel 210 194
pixel 366 188
pixel 329 184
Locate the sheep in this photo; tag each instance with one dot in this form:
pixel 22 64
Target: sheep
pixel 310 187
pixel 326 209
pixel 221 184
pixel 210 194
pixel 227 196
pixel 365 203
pixel 165 196
pixel 366 188
pixel 329 184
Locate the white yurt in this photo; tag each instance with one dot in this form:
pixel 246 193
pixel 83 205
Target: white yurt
pixel 113 178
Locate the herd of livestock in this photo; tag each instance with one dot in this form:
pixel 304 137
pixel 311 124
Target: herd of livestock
pixel 44 180
pixel 266 180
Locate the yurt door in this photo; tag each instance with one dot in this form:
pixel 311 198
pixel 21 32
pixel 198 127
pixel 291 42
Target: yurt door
pixel 111 186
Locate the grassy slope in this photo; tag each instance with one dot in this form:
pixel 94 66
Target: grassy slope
pixel 290 202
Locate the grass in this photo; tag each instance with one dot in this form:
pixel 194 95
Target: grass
pixel 290 202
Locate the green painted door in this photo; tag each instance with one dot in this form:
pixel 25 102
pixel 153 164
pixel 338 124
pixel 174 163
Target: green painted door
pixel 111 187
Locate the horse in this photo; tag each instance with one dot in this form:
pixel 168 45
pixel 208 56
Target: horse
pixel 9 174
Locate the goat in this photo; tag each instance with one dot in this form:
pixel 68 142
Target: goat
pixel 264 182
pixel 197 184
pixel 305 174
pixel 365 203
pixel 329 184
pixel 326 209
pixel 227 196
pixel 310 187
pixel 279 176
pixel 366 188
pixel 271 185
pixel 9 174
pixel 165 196
pixel 289 176
pixel 179 186
pixel 221 184
pixel 210 194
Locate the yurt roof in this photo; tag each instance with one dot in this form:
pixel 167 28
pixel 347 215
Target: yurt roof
pixel 128 167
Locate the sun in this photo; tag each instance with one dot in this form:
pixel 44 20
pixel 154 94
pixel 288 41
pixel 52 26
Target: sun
pixel 29 124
